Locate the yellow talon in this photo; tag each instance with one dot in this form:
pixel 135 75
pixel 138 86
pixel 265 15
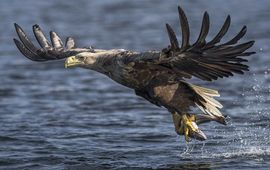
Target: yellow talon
pixel 185 124
pixel 188 125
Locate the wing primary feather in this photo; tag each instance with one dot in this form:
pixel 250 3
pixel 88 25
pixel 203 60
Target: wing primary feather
pixel 70 43
pixel 173 38
pixel 56 41
pixel 204 30
pixel 238 49
pixel 26 52
pixel 25 40
pixel 184 28
pixel 237 37
pixel 42 40
pixel 221 33
pixel 201 76
pixel 247 54
pixel 216 69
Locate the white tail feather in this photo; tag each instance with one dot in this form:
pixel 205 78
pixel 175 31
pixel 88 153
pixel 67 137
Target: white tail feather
pixel 208 105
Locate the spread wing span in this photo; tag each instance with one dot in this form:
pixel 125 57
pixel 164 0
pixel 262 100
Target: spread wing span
pixel 204 60
pixel 54 51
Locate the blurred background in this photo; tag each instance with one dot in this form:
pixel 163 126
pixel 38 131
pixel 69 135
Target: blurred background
pixel 56 118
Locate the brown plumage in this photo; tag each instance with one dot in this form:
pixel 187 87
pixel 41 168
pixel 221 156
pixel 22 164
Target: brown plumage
pixel 158 76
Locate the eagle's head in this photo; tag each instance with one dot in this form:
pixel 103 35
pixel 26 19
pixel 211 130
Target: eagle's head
pixel 94 60
pixel 84 59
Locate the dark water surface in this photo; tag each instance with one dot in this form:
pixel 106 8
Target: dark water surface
pixel 56 118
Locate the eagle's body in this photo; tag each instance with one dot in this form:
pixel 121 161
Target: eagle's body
pixel 158 76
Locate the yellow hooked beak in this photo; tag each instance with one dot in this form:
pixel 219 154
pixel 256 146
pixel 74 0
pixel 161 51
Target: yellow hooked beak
pixel 72 61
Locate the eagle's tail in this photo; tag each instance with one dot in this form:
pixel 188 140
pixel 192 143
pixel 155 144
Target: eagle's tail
pixel 205 101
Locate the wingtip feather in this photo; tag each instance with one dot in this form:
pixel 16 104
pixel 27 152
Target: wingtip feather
pixel 172 37
pixel 184 27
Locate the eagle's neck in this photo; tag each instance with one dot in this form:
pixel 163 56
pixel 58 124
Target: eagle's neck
pixel 115 67
pixel 107 62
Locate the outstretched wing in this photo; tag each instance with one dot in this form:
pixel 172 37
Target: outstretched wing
pixel 205 60
pixel 54 51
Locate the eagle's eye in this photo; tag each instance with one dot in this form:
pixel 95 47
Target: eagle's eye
pixel 81 58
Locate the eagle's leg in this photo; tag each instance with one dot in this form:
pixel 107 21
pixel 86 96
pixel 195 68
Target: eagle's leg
pixel 185 124
pixel 177 122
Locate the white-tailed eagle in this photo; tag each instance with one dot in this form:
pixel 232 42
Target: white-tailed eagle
pixel 158 76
